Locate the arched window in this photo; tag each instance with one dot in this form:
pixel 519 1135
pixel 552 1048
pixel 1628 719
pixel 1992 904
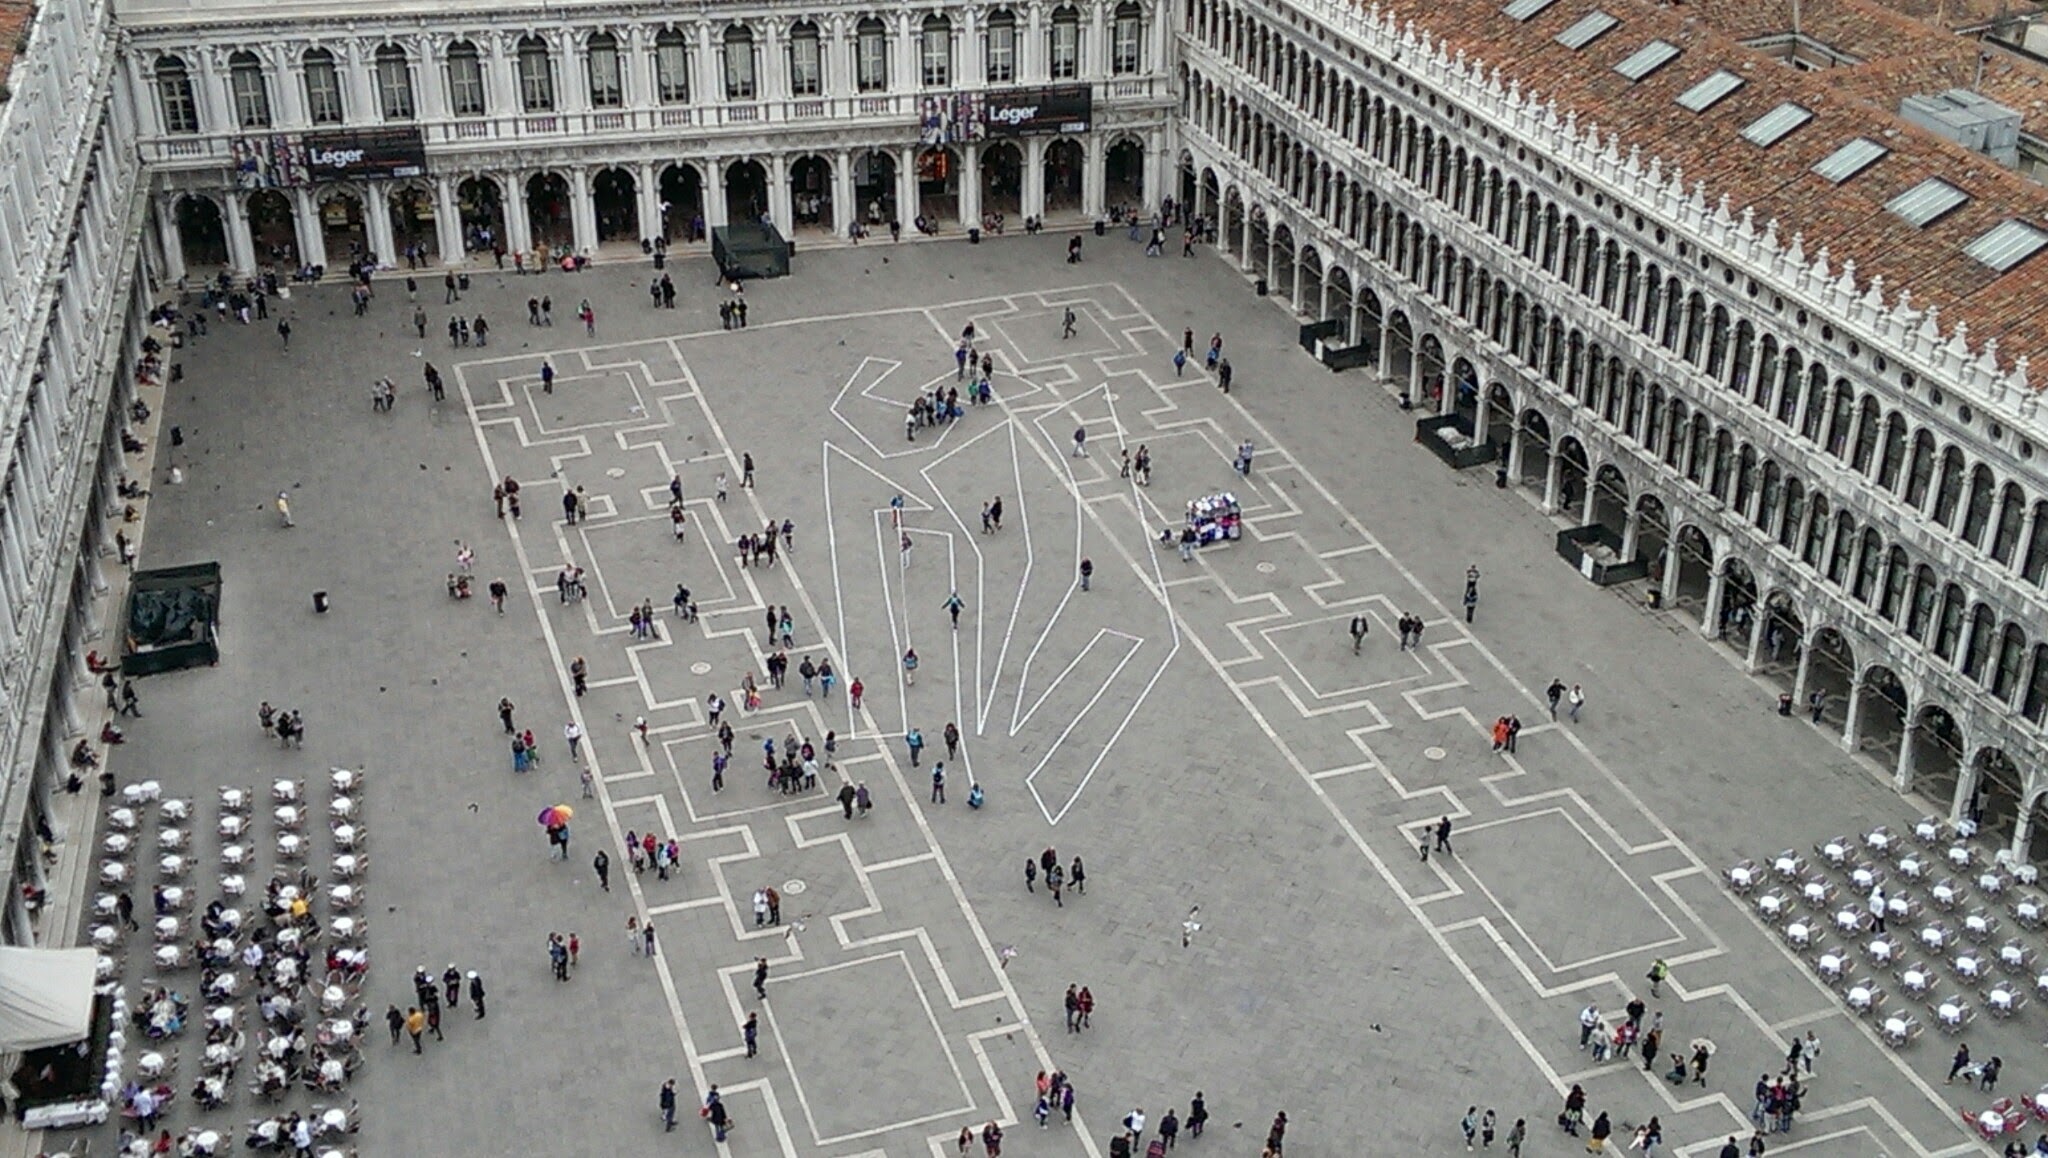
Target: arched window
pixel 1950 492
pixel 2034 705
pixel 1898 573
pixel 1127 43
pixel 1894 462
pixel 465 80
pixel 871 55
pixel 2012 517
pixel 1920 475
pixel 1816 533
pixel 607 86
pixel 1845 548
pixel 536 76
pixel 738 63
pixel 1063 44
pixel 806 60
pixel 2012 658
pixel 1842 416
pixel 323 87
pixel 1869 563
pixel 1977 514
pixel 394 84
pixel 935 55
pixel 252 95
pixel 1921 613
pixel 1978 647
pixel 174 96
pixel 1948 633
pixel 1869 421
pixel 999 47
pixel 671 67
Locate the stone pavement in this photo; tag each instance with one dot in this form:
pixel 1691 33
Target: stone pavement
pixel 1199 733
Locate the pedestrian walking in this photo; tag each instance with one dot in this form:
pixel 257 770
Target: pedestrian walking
pixel 1443 834
pixel 603 864
pixel 750 1033
pixel 761 978
pixel 1517 1133
pixel 939 782
pixel 1577 700
pixel 1359 627
pixel 415 1026
pixel 667 1101
pixel 476 993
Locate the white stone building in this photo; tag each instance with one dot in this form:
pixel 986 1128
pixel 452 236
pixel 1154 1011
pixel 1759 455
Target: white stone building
pixel 303 134
pixel 1766 338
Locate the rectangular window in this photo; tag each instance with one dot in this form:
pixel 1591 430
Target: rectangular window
pixel 1590 27
pixel 2007 244
pixel 1002 53
pixel 323 93
pixel 536 79
pixel 1066 48
pixel 874 60
pixel 739 70
pixel 252 100
pixel 466 85
pixel 607 91
pixel 181 114
pixel 938 57
pixel 1850 159
pixel 672 70
pixel 1127 57
pixel 806 70
pixel 394 87
pixel 1647 59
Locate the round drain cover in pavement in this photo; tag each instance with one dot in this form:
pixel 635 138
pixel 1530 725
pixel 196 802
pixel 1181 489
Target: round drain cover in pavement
pixel 1267 568
pixel 616 472
pixel 792 887
pixel 700 668
pixel 1434 753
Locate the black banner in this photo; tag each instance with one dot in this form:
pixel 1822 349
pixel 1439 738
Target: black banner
pixel 365 153
pixel 1035 111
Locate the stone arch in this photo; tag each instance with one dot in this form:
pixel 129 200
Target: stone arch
pixel 1693 555
pixel 273 227
pixel 1995 787
pixel 1261 239
pixel 414 219
pixel 550 218
pixel 1653 534
pixel 1737 623
pixel 615 202
pixel 1400 355
pixel 1233 223
pixel 810 193
pixel 1784 633
pixel 1283 262
pixel 1611 499
pixel 341 223
pixel 1831 672
pixel 1430 368
pixel 1496 417
pixel 480 202
pixel 1311 265
pixel 1340 309
pixel 202 230
pixel 1534 434
pixel 1881 713
pixel 1002 180
pixel 1574 473
pixel 1123 171
pixel 874 188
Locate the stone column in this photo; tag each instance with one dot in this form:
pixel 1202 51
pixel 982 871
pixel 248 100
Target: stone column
pixel 518 226
pixel 1803 672
pixel 1552 476
pixel 906 184
pixel 1095 155
pixel 241 247
pixel 970 185
pixel 647 185
pixel 448 221
pixel 306 223
pixel 1717 592
pixel 1759 617
pixel 714 192
pixel 582 214
pixel 503 81
pixel 430 78
pixel 168 238
pixel 1850 722
pixel 1902 772
pixel 1154 172
pixel 377 223
pixel 780 205
pixel 1031 201
pixel 844 211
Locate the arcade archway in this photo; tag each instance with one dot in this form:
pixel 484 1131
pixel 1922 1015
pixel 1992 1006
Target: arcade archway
pixel 810 193
pixel 682 203
pixel 413 219
pixel 1123 173
pixel 874 188
pixel 746 191
pixel 1064 167
pixel 1830 673
pixel 1002 182
pixel 548 215
pixel 273 228
pixel 1881 714
pixel 1535 449
pixel 615 198
pixel 341 227
pixel 482 206
pixel 938 186
pixel 202 232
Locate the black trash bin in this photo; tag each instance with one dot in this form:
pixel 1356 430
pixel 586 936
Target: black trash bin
pixel 462 282
pixel 660 260
pixel 320 602
pixel 1100 229
pixel 1259 287
pixel 973 235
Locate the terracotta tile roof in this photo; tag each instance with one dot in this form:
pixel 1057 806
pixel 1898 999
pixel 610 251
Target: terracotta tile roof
pixel 1777 182
pixel 15 16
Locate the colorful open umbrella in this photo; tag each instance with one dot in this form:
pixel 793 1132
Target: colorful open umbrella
pixel 555 816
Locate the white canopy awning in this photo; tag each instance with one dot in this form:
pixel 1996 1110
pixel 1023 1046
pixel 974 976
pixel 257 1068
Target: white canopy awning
pixel 45 996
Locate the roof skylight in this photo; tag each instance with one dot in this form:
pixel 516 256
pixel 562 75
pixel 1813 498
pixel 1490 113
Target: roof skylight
pixel 1589 28
pixel 1525 9
pixel 1925 202
pixel 2007 244
pixel 1647 59
pixel 1704 95
pixel 1774 126
pixel 1850 159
